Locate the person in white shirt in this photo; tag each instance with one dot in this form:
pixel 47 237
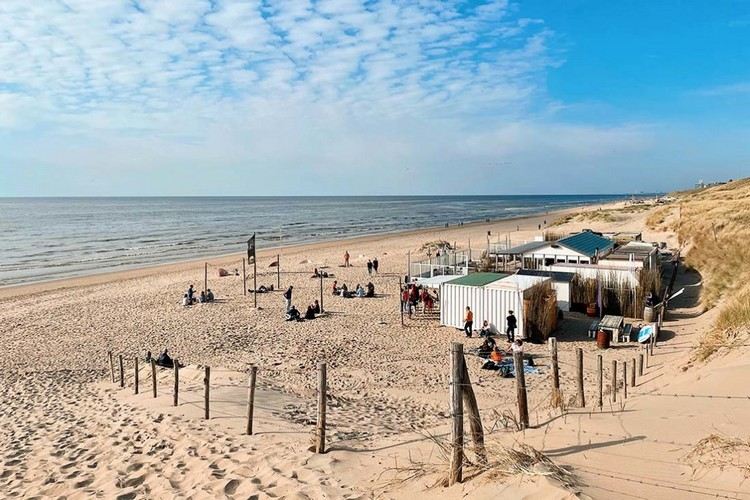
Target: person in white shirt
pixel 185 300
pixel 517 346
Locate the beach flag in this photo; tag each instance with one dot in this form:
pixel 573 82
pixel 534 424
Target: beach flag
pixel 251 249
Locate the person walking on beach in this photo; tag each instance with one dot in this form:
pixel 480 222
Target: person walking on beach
pixel 511 324
pixel 375 264
pixel 288 298
pixel 346 258
pixel 369 267
pixel 468 321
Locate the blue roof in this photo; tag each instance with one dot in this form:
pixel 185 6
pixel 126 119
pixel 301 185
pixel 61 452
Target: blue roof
pixel 587 243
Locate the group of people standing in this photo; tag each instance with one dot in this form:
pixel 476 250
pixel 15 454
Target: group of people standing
pixel 412 295
pixel 372 264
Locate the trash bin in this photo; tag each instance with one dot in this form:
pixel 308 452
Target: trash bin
pixel 648 314
pixel 602 339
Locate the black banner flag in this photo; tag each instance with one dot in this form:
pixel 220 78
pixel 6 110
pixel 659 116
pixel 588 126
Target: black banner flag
pixel 251 249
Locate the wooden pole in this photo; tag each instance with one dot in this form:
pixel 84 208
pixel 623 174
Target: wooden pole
pixel 112 366
pixel 255 282
pixel 136 375
pixel 122 372
pixel 457 414
pixel 251 399
pixel 153 375
pixel 472 410
pixel 401 299
pixel 632 373
pixel 614 380
pixel 625 379
pixel 320 446
pixel 278 270
pixel 408 265
pixel 645 348
pixel 206 391
pixel 176 395
pixel 244 278
pixel 523 408
pixel 579 375
pixel 205 276
pixel 599 380
pixel 640 364
pixel 556 396
pixel 321 292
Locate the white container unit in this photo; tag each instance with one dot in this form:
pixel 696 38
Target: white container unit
pixel 505 295
pixel 465 291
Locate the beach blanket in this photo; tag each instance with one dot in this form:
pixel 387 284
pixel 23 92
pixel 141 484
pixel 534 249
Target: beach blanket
pixel 506 368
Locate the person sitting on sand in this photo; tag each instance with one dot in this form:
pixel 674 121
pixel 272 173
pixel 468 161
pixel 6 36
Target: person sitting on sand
pixel 202 299
pixel 310 313
pixel 344 290
pixel 210 296
pixel 164 360
pixel 335 287
pixel 316 274
pixel 359 291
pixel 185 300
pixel 370 290
pixel 316 307
pixel 496 355
pixel 486 330
pixel 485 349
pixel 517 346
pixel 293 314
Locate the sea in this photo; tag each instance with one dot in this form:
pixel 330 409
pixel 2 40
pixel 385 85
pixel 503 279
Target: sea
pixel 51 238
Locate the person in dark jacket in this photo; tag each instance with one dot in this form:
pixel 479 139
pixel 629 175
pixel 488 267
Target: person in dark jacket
pixel 511 324
pixel 369 267
pixel 375 264
pixel 288 298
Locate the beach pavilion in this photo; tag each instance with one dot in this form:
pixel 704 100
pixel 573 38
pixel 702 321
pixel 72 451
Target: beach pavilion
pixel 585 247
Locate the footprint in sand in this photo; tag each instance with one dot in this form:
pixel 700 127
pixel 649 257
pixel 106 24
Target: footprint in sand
pixel 231 487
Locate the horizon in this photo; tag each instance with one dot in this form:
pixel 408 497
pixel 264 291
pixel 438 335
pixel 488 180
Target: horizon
pixel 139 98
pixel 523 195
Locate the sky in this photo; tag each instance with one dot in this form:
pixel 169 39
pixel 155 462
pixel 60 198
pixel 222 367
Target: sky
pixel 348 97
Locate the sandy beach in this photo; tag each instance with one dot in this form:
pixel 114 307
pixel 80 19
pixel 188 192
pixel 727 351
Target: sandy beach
pixel 67 430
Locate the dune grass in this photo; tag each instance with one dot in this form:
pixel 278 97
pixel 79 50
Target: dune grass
pixel 713 226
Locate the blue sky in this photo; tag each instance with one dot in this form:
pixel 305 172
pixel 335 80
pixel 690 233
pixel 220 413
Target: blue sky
pixel 211 97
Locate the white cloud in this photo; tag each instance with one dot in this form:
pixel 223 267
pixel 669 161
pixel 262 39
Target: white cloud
pixel 324 87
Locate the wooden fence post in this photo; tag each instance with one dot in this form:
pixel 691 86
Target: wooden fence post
pixel 457 414
pixel 321 293
pixel 207 392
pixel 320 446
pixel 122 372
pixel 579 374
pixel 401 299
pixel 278 270
pixel 176 395
pixel 251 399
pixel 625 379
pixel 632 373
pixel 523 408
pixel 112 366
pixel 614 380
pixel 153 375
pixel 556 396
pixel 640 364
pixel 472 410
pixel 599 380
pixel 136 375
pixel 205 276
